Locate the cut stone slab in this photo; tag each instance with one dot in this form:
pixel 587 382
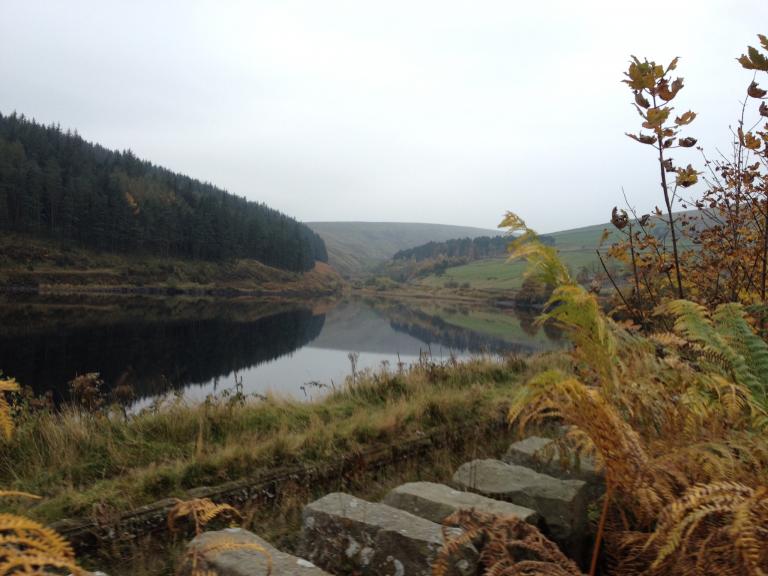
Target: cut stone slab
pixel 544 455
pixel 562 503
pixel 346 535
pixel 437 501
pixel 244 561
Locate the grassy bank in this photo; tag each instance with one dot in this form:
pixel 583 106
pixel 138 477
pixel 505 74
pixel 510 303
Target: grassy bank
pixel 31 263
pixel 497 275
pixel 81 461
pixel 279 520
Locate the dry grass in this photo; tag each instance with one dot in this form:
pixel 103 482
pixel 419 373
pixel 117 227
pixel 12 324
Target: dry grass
pixel 78 459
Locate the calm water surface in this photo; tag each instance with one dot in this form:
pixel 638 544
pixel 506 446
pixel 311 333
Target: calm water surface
pixel 198 347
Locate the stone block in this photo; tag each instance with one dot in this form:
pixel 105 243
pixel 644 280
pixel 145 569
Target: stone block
pixel 561 503
pixel 219 552
pixel 545 456
pixel 346 535
pixel 436 501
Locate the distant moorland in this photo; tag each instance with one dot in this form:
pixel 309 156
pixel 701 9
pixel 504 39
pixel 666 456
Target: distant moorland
pixel 355 248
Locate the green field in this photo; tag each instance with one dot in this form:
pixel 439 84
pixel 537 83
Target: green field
pixel 576 248
pixel 585 238
pixel 494 274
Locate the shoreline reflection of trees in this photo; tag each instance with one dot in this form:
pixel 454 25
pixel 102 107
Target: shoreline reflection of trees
pixel 154 357
pixel 527 320
pixel 431 328
pixel 156 346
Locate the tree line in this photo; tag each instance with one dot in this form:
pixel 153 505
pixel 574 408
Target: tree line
pixel 468 248
pixel 55 184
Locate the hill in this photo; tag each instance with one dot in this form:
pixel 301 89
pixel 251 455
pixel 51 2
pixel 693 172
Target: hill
pixel 576 246
pixel 56 186
pixel 357 247
pixel 470 248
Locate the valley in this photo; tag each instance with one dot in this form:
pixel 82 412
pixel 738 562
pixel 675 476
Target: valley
pixel 237 340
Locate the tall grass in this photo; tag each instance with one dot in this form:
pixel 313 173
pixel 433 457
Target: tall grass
pixel 76 458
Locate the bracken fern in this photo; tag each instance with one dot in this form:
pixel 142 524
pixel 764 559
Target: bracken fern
pixel 200 510
pixel 6 422
pixel 508 546
pixel 203 511
pixel 677 418
pixel 27 547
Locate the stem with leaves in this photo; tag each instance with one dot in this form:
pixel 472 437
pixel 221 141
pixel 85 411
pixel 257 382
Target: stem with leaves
pixel 653 90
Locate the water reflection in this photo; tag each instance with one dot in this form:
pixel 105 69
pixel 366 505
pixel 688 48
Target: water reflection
pixel 198 346
pixel 153 357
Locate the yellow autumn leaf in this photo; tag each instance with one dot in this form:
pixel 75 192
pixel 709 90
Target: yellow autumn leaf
pixel 6 422
pixel 687 176
pixel 752 142
pixel 686 118
pixel 673 64
pixel 656 117
pixel 640 75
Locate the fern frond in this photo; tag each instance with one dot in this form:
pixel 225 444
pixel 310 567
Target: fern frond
pixel 507 546
pixel 750 530
pixel 731 324
pixel 9 385
pixel 668 339
pixel 708 524
pixel 627 464
pixel 693 322
pixel 578 313
pixel 6 422
pixel 543 261
pixel 200 510
pixel 17 494
pixel 27 547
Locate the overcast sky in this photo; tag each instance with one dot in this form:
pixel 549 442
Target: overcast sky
pixel 429 111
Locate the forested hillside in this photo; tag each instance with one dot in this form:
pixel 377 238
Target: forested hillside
pixel 435 259
pixel 469 248
pixel 55 184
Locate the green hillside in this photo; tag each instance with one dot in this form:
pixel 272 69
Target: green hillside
pixel 357 247
pixel 580 238
pixel 576 246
